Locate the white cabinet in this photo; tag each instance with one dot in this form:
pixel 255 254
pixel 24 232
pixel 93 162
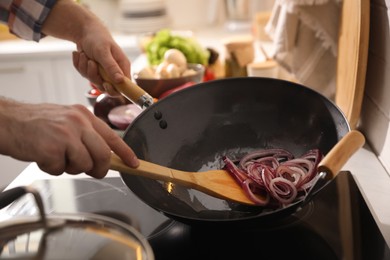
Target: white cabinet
pixel 70 86
pixel 29 81
pixel 52 80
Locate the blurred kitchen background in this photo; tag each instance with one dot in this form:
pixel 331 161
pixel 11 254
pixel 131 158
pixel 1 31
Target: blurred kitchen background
pixel 137 16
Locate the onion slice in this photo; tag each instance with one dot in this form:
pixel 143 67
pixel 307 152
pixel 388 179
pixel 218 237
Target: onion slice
pixel 274 174
pixel 123 116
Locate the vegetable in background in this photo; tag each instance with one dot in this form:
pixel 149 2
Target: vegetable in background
pixel 165 40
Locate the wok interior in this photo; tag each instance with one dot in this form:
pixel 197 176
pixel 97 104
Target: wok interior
pixel 226 117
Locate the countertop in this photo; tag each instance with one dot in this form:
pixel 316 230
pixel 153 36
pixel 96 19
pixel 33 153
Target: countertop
pixel 11 50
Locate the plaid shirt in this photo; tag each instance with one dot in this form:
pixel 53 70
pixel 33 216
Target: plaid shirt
pixel 25 17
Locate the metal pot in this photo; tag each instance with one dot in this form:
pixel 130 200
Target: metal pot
pixel 67 236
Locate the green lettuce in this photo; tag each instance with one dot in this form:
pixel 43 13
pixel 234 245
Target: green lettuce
pixel 165 40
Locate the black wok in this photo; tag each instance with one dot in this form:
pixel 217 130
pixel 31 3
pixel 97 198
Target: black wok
pixel 192 129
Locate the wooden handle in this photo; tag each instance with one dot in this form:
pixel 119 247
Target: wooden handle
pixel 341 152
pixel 129 89
pixel 152 171
pixel 145 169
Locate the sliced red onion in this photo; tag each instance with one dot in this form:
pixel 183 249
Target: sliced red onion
pixel 277 153
pixel 274 174
pixel 283 190
pixel 293 173
pixel 122 116
pixel 252 190
pixel 239 175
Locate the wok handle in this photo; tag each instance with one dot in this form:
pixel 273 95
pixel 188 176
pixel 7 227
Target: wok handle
pixel 130 90
pixel 340 153
pixel 11 195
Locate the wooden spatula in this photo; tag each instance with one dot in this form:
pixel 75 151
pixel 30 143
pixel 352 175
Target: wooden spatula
pixel 219 183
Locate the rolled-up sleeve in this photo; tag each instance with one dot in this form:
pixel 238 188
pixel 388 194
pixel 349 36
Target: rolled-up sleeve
pixel 26 17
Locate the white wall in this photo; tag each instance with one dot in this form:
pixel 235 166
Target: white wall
pixel 375 120
pixel 183 14
pixel 195 14
pixel 106 10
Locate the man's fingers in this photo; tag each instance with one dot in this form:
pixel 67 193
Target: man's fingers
pixel 116 144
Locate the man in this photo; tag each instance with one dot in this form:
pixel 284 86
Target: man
pixel 64 138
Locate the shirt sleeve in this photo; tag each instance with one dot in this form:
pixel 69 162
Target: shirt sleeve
pixel 26 17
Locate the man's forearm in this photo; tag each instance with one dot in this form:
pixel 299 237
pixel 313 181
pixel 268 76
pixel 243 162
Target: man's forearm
pixel 7 107
pixel 68 20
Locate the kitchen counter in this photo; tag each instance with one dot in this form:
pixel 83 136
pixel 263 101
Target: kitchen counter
pixel 374 184
pixel 12 49
pixel 18 48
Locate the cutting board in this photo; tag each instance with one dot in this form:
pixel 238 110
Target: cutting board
pixel 352 58
pixel 351 76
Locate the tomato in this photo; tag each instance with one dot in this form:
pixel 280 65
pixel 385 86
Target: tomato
pixel 208 75
pixel 95 92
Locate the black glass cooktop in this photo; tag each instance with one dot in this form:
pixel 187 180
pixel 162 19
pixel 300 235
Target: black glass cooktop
pixel 336 224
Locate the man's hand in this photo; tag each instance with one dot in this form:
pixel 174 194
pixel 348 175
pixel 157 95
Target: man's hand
pixel 60 138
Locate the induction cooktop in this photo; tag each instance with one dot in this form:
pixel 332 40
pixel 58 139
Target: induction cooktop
pixel 336 224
